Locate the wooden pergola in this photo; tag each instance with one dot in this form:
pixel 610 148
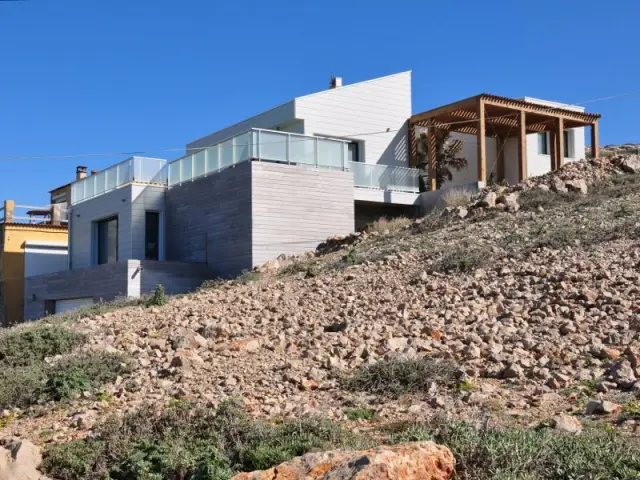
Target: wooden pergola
pixel 501 118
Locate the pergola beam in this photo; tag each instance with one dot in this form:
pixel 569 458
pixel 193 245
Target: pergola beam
pixel 482 143
pixel 595 145
pixel 522 146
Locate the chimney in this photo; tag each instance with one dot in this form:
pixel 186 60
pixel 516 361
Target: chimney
pixel 81 172
pixel 94 172
pixel 336 82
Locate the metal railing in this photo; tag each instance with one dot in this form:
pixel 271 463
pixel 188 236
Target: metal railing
pixel 11 212
pixel 260 144
pixel 383 177
pixel 136 169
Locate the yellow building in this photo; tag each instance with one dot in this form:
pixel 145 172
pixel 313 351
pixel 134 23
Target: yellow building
pixel 32 244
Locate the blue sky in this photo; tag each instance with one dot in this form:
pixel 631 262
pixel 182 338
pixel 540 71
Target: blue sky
pixel 89 76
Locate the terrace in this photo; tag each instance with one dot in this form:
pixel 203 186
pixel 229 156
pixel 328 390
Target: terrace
pixel 12 213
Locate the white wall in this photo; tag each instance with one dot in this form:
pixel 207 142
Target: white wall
pixel 371 106
pixel 470 152
pixel 45 257
pixel 281 115
pixel 128 203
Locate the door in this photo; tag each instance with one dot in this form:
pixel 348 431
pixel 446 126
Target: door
pixel 72 304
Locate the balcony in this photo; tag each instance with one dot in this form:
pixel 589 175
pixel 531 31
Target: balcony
pixel 136 169
pixel 383 177
pixel 264 145
pixel 56 214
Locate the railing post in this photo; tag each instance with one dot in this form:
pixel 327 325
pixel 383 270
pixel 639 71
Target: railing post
pixel 371 176
pixel 288 145
pixel 233 151
pixel 206 161
pixel 193 166
pixel 258 145
pixel 315 152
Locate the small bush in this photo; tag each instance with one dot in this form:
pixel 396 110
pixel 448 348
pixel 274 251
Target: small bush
pixel 547 199
pixel 354 414
pixel 351 257
pixel 389 225
pixel 158 298
pixel 247 277
pixel 456 197
pixel 25 345
pixel 463 258
pixel 398 377
pixel 96 309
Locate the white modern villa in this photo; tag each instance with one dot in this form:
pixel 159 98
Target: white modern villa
pixel 284 180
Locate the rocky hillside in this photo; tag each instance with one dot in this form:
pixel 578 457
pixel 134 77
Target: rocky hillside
pixel 517 308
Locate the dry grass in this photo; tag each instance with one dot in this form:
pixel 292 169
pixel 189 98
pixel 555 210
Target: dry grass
pixel 457 197
pixel 389 225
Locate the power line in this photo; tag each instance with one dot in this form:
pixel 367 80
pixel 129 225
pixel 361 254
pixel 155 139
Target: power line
pixel 610 97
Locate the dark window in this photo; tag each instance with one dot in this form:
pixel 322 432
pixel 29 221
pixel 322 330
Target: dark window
pixel 567 145
pixel 354 152
pixel 543 143
pixel 107 241
pixel 151 235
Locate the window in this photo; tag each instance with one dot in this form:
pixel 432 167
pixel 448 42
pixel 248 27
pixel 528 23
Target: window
pixel 107 241
pixel 151 236
pixel 568 143
pixel 543 143
pixel 354 152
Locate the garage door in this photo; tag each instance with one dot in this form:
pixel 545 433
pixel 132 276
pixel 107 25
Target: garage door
pixel 72 304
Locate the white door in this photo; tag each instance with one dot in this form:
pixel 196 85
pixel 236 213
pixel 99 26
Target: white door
pixel 72 304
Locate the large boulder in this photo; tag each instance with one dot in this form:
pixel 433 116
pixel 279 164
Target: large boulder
pixel 630 164
pixel 410 461
pixel 19 460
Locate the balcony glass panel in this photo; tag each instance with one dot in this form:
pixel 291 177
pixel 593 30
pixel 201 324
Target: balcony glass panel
pixel 186 171
pixel 111 180
pixel 174 173
pixel 242 143
pixel 226 154
pixel 273 146
pixel 302 150
pixel 124 172
pixel 330 153
pixel 213 159
pixel 199 163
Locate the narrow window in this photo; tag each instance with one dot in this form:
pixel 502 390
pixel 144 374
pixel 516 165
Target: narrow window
pixel 107 241
pixel 354 152
pixel 543 143
pixel 151 236
pixel 567 143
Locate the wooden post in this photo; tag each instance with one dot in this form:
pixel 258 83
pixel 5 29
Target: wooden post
pixel 553 147
pixel 500 144
pixel 482 143
pixel 595 145
pixel 9 208
pixel 431 152
pixel 522 146
pixel 413 145
pixel 560 142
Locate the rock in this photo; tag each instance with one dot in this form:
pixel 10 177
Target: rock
pixel 410 461
pixel 188 339
pixel 19 460
pixel 248 345
pixel 84 420
pixel 488 201
pixel 567 423
pixel 630 164
pixel 600 407
pixel 510 201
pixel 185 358
pixel 396 343
pixel 559 187
pixel 513 371
pixel 579 186
pixel 269 266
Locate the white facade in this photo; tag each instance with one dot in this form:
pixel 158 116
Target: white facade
pixel 44 257
pixel 374 113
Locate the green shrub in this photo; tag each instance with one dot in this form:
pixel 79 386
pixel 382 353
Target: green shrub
pixel 547 199
pixel 463 258
pixel 158 298
pixel 354 414
pixel 351 257
pixel 77 374
pixel 187 442
pixel 247 277
pixel 25 345
pixel 529 454
pixel 398 377
pixel 21 386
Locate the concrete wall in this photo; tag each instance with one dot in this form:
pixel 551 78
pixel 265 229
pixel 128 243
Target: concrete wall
pixel 371 106
pixel 209 220
pixel 294 208
pixel 129 204
pixel 102 282
pixel 131 278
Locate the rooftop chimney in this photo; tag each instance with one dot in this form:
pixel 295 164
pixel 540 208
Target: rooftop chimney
pixel 81 172
pixel 336 82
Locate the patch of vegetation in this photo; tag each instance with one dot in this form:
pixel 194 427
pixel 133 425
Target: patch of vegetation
pixel 352 257
pixel 463 257
pixel 188 442
pixel 398 377
pixel 39 382
pixel 247 277
pixel 96 309
pixel 23 346
pixel 457 197
pixel 465 386
pixel 355 414
pixel 547 199
pixel 528 454
pixel 389 225
pixel 158 298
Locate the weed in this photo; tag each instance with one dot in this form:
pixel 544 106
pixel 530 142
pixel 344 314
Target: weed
pixel 158 298
pixel 23 346
pixel 465 386
pixel 247 277
pixel 351 257
pixel 105 397
pixel 456 197
pixel 389 225
pixel 463 258
pixel 397 377
pixel 360 413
